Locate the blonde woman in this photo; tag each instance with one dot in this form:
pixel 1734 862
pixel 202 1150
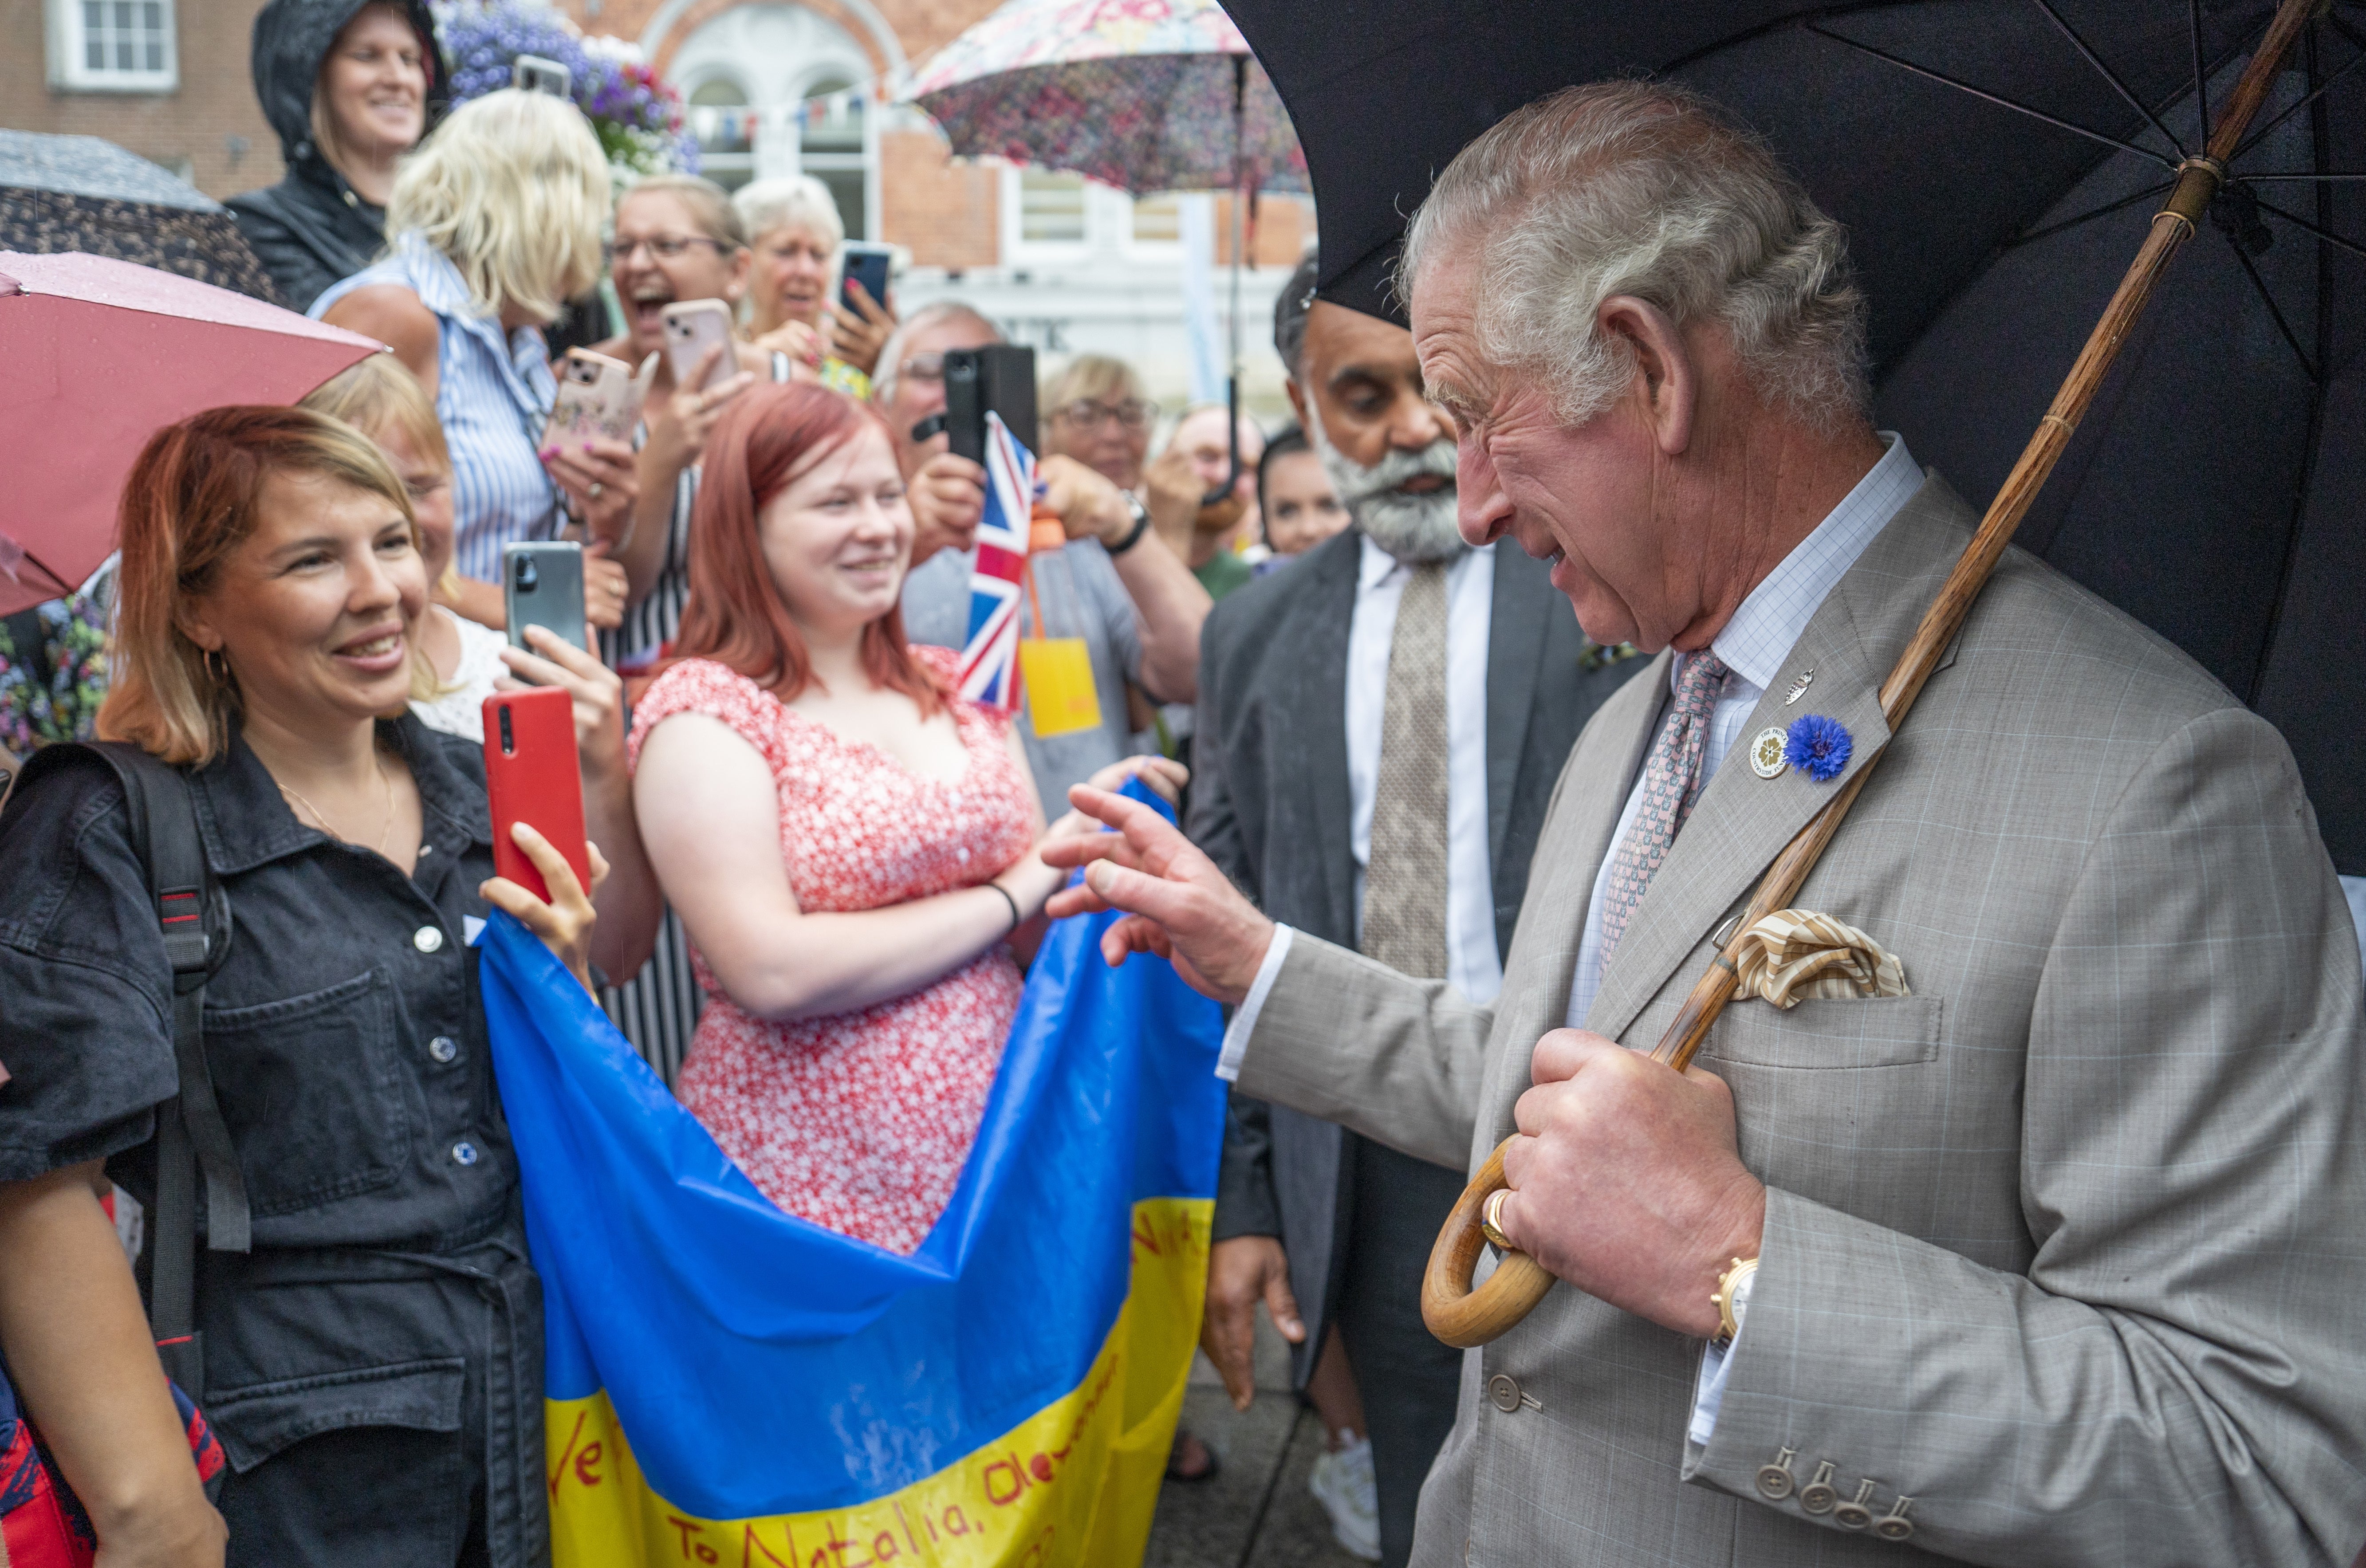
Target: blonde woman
pixel 381 400
pixel 374 1364
pixel 795 231
pixel 494 224
pixel 1094 413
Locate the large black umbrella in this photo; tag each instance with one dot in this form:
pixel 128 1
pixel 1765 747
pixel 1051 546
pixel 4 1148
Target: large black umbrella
pixel 1998 162
pixel 81 193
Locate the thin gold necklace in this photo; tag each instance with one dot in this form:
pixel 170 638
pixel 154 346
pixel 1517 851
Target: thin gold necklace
pixel 335 831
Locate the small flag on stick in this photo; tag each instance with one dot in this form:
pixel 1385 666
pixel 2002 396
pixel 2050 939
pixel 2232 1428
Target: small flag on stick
pixel 990 659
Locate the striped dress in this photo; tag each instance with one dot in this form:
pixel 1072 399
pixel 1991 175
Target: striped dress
pixel 658 1009
pixel 492 397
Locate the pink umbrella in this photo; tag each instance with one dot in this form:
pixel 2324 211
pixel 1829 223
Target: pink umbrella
pixel 94 355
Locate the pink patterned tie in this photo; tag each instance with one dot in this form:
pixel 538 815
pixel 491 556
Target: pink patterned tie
pixel 1671 783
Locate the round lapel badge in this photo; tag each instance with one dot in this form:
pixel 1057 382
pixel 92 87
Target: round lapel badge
pixel 1766 754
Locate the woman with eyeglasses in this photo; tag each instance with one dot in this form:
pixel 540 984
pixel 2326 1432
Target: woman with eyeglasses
pixel 1097 414
pixel 796 234
pixel 676 236
pixel 494 224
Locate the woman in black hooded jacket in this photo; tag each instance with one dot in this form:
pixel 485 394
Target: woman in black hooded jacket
pixel 348 84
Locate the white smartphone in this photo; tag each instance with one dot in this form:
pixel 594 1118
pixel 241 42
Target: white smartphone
pixel 532 73
pixel 692 327
pixel 597 396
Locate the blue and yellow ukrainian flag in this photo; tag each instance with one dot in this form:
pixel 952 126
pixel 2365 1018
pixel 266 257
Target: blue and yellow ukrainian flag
pixel 728 1384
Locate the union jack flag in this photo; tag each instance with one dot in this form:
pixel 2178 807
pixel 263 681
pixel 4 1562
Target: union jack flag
pixel 989 658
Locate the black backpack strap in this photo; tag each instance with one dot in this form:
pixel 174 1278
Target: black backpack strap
pixel 191 1136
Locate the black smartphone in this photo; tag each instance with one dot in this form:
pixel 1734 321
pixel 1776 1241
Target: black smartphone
pixel 1000 379
pixel 542 585
pixel 865 264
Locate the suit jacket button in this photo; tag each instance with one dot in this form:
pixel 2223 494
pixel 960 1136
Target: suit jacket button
pixel 1817 1496
pixel 1775 1477
pixel 1857 1512
pixel 1894 1525
pixel 1504 1394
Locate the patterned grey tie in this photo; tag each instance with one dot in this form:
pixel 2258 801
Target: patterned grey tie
pixel 1404 883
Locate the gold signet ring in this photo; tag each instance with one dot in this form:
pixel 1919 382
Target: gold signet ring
pixel 1491 1220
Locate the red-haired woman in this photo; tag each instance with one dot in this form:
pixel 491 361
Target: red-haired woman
pixel 851 848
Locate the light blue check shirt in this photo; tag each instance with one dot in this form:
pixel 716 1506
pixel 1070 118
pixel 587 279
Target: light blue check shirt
pixel 492 397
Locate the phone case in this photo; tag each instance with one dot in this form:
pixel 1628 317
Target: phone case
pixel 869 267
pixel 597 396
pixel 533 777
pixel 692 327
pixel 542 585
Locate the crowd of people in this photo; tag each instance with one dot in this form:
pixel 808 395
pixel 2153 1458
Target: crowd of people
pixel 819 874
pixel 816 879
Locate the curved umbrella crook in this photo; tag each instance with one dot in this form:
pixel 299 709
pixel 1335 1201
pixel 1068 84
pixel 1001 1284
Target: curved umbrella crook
pixel 1464 1317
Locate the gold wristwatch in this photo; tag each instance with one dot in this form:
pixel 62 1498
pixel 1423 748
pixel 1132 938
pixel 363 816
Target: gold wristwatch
pixel 1728 1284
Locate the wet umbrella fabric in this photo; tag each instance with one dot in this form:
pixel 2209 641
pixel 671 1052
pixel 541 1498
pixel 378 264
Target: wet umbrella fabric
pixel 84 193
pixel 1136 94
pixel 94 355
pixel 2218 490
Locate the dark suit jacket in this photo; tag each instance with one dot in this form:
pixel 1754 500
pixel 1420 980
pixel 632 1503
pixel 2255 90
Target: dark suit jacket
pixel 1270 805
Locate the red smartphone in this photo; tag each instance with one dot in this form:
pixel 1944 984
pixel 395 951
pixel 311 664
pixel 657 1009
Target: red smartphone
pixel 531 774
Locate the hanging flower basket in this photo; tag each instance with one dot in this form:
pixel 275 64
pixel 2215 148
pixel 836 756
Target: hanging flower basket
pixel 636 113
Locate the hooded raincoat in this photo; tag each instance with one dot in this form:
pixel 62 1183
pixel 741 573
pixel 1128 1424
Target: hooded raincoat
pixel 312 229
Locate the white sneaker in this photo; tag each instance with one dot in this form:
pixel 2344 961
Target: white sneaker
pixel 1342 1483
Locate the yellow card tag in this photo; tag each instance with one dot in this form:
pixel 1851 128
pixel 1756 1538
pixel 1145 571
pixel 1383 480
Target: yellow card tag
pixel 1056 673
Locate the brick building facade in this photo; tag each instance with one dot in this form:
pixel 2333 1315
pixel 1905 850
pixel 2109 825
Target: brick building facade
pixel 776 86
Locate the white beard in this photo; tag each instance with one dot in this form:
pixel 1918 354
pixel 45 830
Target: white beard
pixel 1415 529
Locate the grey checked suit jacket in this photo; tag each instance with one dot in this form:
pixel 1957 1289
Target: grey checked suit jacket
pixel 1270 805
pixel 2065 1245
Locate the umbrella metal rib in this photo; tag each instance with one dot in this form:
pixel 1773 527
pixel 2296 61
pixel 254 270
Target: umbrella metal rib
pixel 1984 95
pixel 2033 236
pixel 2109 75
pixel 1465 1318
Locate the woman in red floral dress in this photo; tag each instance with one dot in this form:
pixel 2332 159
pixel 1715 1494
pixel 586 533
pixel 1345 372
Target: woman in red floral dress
pixel 850 849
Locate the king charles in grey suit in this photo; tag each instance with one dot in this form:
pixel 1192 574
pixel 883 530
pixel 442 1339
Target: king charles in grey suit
pixel 2058 1254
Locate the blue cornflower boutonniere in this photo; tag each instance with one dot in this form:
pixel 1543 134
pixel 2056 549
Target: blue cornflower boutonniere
pixel 1818 747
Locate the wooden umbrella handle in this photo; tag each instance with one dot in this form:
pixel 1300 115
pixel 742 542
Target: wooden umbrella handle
pixel 1458 1315
pixel 1464 1317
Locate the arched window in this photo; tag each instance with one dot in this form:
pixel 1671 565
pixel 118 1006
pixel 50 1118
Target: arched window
pixel 830 148
pixel 725 125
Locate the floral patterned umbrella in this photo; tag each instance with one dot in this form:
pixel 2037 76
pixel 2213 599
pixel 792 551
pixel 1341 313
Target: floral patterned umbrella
pixel 1137 94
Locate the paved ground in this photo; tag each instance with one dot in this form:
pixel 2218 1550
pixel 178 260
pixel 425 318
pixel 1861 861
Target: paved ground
pixel 1257 1513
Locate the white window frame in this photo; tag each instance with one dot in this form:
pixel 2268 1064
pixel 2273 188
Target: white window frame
pixel 1016 249
pixel 865 161
pixel 746 102
pixel 70 71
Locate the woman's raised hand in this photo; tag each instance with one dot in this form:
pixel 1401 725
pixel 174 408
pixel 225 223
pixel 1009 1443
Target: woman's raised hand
pixel 800 343
pixel 597 692
pixel 856 336
pixel 681 421
pixel 602 478
pixel 565 923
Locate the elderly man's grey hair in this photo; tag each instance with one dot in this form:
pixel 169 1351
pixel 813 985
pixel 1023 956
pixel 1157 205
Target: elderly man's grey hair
pixel 1644 189
pixel 1290 308
pixel 891 356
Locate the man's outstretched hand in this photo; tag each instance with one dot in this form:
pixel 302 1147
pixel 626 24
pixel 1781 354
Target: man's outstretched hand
pixel 1177 904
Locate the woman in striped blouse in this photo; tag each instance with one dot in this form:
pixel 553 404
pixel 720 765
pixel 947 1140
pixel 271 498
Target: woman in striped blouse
pixel 496 223
pixel 676 236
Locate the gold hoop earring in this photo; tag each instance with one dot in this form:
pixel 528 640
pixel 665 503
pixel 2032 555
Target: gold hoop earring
pixel 218 677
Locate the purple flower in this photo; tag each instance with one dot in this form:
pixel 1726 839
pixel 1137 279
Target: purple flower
pixel 1818 747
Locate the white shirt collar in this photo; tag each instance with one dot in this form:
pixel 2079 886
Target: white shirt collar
pixel 1770 622
pixel 1375 566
